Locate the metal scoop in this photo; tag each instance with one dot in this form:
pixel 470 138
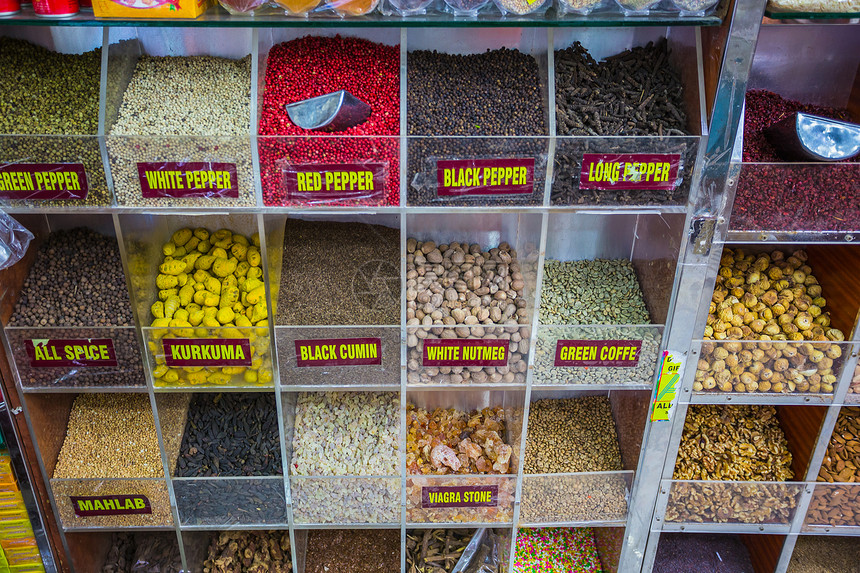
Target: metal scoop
pixel 336 111
pixel 802 136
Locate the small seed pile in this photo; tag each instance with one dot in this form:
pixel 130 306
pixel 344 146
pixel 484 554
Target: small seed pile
pixel 230 435
pixel 316 65
pixel 110 436
pixel 557 549
pixel 207 99
pixel 142 553
pixel 572 435
pixel 775 299
pixel 546 372
pixel 683 553
pixel 569 436
pixel 520 7
pixel 45 92
pixel 635 93
pixel 358 551
pixel 207 281
pixel 435 550
pixel 339 273
pixel 600 291
pixel 228 502
pixel 454 442
pixel 468 290
pixel 76 280
pixel 346 434
pixel 249 552
pixel 732 443
pixel 453 94
pixel 823 554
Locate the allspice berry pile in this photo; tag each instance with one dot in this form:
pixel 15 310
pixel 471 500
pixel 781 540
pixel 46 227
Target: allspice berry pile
pixel 76 280
pixel 775 299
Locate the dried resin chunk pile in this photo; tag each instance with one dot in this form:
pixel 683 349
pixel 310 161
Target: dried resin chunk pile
pixel 448 441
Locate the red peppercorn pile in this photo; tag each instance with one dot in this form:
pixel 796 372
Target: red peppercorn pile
pixel 314 66
pixel 789 197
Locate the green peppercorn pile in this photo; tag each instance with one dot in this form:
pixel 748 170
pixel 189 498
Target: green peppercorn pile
pixel 45 92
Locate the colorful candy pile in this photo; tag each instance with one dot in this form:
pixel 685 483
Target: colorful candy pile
pixel 560 550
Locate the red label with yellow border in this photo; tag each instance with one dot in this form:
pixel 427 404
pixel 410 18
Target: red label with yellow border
pixel 83 353
pixel 179 179
pixel 458 177
pixel 588 353
pixel 206 352
pixel 460 496
pixel 608 171
pixel 88 506
pixel 43 181
pixel 339 352
pixel 464 352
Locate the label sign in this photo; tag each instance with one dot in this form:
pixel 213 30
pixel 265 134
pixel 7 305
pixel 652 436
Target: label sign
pixel 61 352
pixel 43 181
pixel 464 352
pixel 206 352
pixel 195 179
pixel 460 496
pixel 671 368
pixel 339 352
pixel 334 181
pixel 608 171
pixel 458 177
pixel 623 353
pixel 110 505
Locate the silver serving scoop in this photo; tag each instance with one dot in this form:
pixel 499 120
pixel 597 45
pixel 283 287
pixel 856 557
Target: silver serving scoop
pixel 802 136
pixel 336 111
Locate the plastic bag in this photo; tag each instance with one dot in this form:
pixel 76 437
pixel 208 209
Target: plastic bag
pixel 14 241
pixel 481 554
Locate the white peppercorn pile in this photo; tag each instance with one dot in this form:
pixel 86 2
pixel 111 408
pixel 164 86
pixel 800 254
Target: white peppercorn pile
pixel 76 280
pixel 572 435
pixel 110 436
pixel 346 433
pixel 458 290
pixel 204 98
pixel 599 291
pixel 45 92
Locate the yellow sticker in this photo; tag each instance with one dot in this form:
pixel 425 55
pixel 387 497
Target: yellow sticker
pixel 667 386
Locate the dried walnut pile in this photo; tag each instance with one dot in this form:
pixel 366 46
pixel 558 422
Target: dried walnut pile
pixel 454 442
pixel 774 299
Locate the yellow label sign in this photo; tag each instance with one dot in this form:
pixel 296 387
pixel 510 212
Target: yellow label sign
pixel 667 386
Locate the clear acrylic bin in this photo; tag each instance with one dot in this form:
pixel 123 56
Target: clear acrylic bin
pixel 223 502
pixel 771 503
pixel 460 499
pixel 345 500
pixel 593 497
pixel 833 505
pixel 113 503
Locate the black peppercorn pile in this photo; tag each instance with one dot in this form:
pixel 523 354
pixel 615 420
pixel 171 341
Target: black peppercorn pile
pixel 636 92
pixel 494 93
pixel 76 280
pixel 230 435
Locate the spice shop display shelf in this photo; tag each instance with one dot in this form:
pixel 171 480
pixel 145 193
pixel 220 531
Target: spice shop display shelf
pixel 217 17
